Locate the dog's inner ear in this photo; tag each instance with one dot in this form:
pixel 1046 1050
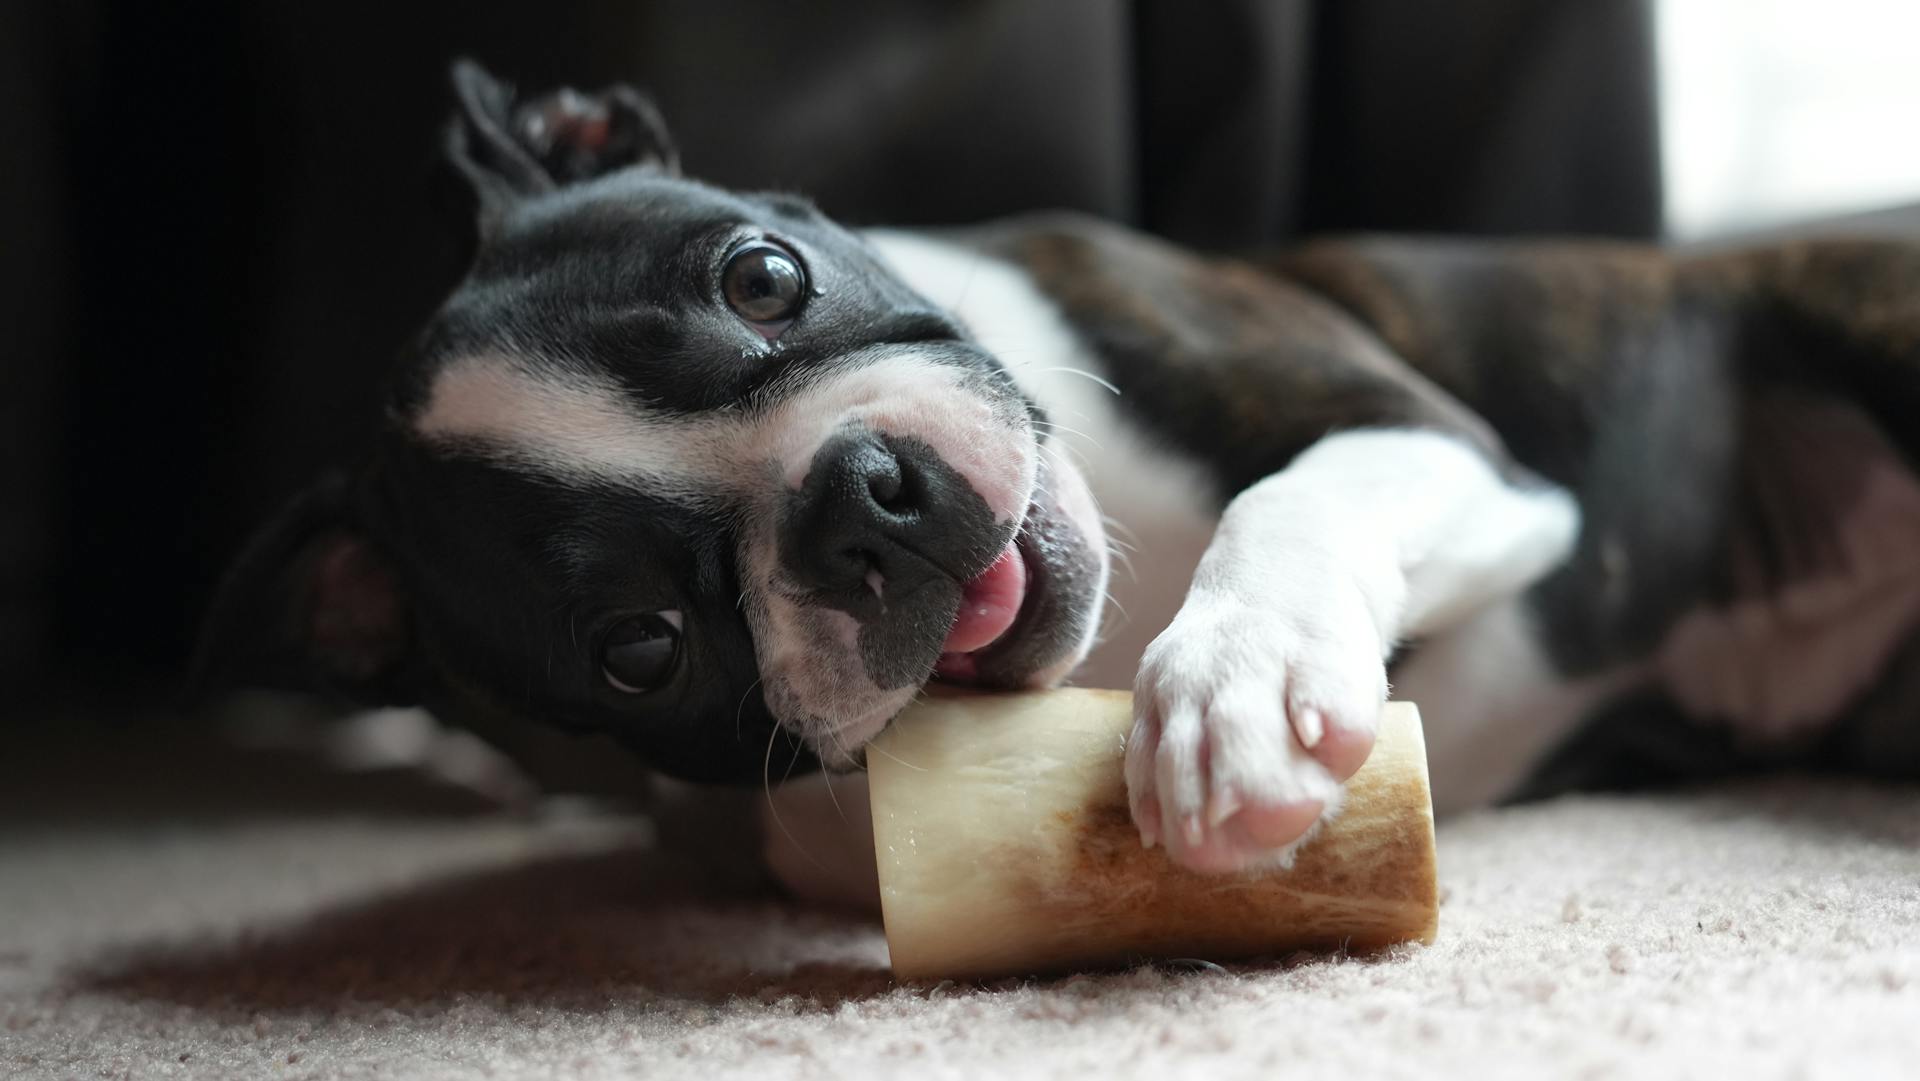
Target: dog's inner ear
pixel 356 626
pixel 577 137
pixel 311 605
pixel 508 147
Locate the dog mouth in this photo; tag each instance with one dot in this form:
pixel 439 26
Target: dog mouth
pixel 991 605
pixel 1033 614
pixel 1025 619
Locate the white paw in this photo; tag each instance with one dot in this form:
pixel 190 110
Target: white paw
pixel 1247 721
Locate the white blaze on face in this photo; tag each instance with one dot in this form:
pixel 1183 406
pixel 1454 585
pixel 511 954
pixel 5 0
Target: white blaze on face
pixel 573 426
pixel 566 425
pixel 579 428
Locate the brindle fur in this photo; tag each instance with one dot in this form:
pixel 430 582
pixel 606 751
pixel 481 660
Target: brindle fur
pixel 1652 385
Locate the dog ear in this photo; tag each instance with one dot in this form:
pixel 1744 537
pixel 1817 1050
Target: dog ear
pixel 508 148
pixel 312 604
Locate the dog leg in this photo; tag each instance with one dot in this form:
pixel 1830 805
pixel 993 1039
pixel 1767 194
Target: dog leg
pixel 1261 697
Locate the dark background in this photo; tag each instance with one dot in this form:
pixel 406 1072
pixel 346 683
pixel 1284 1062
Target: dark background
pixel 219 221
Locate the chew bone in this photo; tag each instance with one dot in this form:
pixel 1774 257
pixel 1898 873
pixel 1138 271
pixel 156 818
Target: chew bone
pixel 1005 847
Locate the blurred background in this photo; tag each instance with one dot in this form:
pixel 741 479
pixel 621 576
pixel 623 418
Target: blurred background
pixel 219 221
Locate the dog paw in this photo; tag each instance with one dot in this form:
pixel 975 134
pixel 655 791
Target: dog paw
pixel 1247 723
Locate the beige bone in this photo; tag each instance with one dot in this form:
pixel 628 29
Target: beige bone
pixel 1005 847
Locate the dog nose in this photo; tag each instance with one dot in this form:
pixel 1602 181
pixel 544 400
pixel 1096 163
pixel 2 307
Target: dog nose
pixel 876 518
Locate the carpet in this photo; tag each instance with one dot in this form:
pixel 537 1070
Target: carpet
pixel 208 915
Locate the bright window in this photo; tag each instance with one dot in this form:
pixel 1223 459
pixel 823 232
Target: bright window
pixel 1778 110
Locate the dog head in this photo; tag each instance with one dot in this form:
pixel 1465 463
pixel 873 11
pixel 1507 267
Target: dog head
pixel 687 466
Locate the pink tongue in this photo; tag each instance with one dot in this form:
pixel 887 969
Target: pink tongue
pixel 989 604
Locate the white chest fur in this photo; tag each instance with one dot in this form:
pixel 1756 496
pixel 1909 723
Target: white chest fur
pixel 1160 508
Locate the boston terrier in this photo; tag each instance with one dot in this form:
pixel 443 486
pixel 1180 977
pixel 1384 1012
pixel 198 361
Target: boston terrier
pixel 712 474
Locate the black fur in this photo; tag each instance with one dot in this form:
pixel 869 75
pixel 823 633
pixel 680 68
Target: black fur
pixel 1627 376
pixel 1658 389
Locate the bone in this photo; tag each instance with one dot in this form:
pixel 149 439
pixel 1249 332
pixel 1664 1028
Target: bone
pixel 1005 848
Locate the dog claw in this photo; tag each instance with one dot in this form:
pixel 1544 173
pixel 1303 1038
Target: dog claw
pixel 1224 805
pixel 1146 819
pixel 1311 726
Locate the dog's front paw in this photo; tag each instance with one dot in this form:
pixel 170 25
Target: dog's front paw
pixel 1247 722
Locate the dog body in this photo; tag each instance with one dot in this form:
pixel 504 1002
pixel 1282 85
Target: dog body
pixel 1674 522
pixel 714 475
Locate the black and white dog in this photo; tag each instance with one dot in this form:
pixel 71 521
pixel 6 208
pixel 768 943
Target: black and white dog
pixel 710 473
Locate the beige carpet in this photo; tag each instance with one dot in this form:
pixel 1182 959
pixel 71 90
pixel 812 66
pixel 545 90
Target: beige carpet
pixel 167 918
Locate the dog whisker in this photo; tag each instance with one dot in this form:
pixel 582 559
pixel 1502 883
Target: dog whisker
pixel 882 752
pixel 1078 453
pixel 793 761
pixel 1056 426
pixel 773 807
pixel 740 710
pixel 834 798
pixel 1079 416
pixel 841 746
pixel 1115 526
pixel 1081 372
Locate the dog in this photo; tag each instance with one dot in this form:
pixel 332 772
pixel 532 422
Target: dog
pixel 709 473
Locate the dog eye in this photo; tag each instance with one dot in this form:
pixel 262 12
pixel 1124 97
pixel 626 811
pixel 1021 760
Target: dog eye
pixel 638 653
pixel 765 285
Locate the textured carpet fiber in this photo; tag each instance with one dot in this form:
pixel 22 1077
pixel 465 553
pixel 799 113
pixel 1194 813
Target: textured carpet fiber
pixel 1760 931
